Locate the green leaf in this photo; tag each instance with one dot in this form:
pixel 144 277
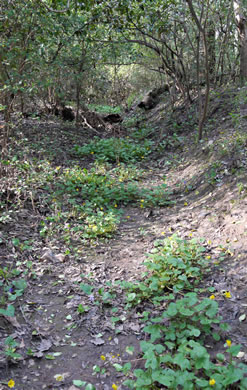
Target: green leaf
pixel 143 378
pixel 86 288
pixel 130 350
pixel 216 336
pixel 234 349
pixel 79 383
pixel 118 367
pixel 154 330
pixel 220 357
pixel 90 387
pixel 164 377
pixel 195 332
pixel 181 361
pixel 233 375
pixel 16 241
pixel 224 327
pixel 131 297
pixel 186 312
pixel 50 357
pixel 172 310
pixel 9 312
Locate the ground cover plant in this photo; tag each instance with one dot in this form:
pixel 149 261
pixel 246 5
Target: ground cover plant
pixel 104 109
pixel 175 354
pixel 79 203
pixel 115 149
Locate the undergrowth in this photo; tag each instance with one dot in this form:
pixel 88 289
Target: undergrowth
pixel 175 351
pixel 115 150
pixel 79 204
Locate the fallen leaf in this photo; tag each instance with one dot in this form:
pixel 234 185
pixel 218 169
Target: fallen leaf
pixel 44 345
pixel 242 317
pixel 98 341
pixel 38 354
pixel 134 327
pixel 240 355
pixel 22 344
pixel 13 321
pixel 50 357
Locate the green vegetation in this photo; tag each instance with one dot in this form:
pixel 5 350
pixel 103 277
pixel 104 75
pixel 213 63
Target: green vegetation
pixel 174 265
pixel 84 203
pixel 103 109
pixel 168 66
pixel 175 351
pixel 115 150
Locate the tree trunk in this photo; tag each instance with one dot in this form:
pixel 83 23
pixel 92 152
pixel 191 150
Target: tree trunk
pixel 241 20
pixel 211 49
pixel 201 30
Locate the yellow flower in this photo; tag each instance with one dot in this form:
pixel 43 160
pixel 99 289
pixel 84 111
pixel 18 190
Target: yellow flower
pixel 102 357
pixel 208 257
pixel 212 382
pixel 11 383
pixel 115 387
pixel 185 203
pixel 92 152
pixel 115 205
pixel 229 343
pixel 227 294
pixel 142 200
pixel 59 377
pixel 212 296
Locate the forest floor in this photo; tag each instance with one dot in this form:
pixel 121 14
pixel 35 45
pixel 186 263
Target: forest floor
pixel 56 343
